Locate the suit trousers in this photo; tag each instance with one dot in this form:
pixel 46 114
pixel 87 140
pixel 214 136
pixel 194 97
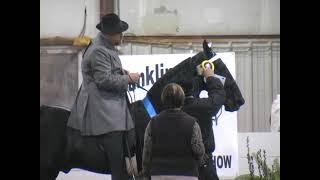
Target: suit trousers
pixel 208 171
pixel 113 146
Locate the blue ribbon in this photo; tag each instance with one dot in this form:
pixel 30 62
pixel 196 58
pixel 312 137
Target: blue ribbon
pixel 149 107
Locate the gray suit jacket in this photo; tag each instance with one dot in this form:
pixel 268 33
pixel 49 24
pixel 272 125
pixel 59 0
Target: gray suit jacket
pixel 101 105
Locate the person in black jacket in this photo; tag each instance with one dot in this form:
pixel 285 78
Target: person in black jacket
pixel 203 109
pixel 173 144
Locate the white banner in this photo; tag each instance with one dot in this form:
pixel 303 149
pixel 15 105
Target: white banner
pixel 153 67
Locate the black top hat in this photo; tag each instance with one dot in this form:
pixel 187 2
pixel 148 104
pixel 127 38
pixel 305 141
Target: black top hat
pixel 111 23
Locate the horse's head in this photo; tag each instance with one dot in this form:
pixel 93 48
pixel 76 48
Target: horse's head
pixel 187 70
pixel 184 70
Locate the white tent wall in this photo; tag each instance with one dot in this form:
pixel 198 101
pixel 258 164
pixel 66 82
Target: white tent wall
pixel 201 17
pixel 65 18
pixel 155 17
pixel 257 60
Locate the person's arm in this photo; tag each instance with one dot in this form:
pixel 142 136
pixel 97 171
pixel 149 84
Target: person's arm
pixel 215 90
pixel 216 96
pixel 102 66
pixel 197 143
pixel 146 155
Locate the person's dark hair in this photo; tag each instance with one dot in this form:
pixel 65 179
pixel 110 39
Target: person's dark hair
pixel 172 96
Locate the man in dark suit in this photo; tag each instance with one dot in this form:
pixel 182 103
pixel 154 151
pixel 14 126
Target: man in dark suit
pixel 203 109
pixel 101 106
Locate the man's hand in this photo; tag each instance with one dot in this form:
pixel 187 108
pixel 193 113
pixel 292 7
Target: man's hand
pixel 208 72
pixel 134 77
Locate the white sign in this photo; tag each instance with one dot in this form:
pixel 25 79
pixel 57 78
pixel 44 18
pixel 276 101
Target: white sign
pixel 153 67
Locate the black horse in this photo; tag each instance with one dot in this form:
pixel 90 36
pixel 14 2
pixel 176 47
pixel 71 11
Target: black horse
pixel 63 148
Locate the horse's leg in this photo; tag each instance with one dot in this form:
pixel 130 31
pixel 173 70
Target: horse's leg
pixel 52 140
pixel 141 118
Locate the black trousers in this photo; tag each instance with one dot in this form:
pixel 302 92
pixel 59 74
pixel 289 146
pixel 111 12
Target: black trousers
pixel 113 146
pixel 208 171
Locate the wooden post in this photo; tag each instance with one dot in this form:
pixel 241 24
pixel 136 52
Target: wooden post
pixel 106 6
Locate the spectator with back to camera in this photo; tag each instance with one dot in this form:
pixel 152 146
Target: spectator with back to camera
pixel 173 144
